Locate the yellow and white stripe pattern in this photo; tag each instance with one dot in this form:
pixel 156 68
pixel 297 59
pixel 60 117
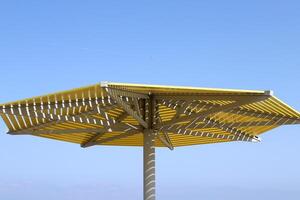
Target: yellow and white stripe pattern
pixel 116 114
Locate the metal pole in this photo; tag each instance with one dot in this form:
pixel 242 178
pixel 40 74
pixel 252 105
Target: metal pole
pixel 149 150
pixel 149 165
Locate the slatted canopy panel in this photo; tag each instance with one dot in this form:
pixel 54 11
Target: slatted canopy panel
pixel 118 113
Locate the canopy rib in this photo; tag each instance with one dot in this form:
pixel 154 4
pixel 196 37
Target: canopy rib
pixel 165 140
pixel 91 140
pixel 120 136
pixel 209 96
pixel 115 95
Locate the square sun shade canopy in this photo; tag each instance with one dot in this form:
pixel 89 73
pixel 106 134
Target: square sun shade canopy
pixel 119 113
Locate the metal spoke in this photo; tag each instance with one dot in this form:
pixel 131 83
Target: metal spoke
pixel 110 128
pixel 165 140
pixel 115 95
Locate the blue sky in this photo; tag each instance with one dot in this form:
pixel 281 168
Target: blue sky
pixel 48 46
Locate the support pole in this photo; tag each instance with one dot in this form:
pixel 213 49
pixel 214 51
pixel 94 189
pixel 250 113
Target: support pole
pixel 149 165
pixel 149 149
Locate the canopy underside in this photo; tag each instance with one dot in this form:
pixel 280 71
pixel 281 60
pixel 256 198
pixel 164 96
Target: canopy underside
pixel 117 114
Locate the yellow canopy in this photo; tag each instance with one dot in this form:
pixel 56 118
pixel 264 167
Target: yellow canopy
pixel 118 114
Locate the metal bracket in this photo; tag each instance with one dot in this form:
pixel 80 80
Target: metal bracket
pixel 165 140
pixel 115 95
